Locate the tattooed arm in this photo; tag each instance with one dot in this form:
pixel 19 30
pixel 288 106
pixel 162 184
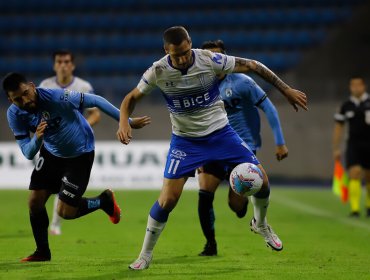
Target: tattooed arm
pixel 295 97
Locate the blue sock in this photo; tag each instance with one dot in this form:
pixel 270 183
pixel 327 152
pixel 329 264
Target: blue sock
pixel 158 213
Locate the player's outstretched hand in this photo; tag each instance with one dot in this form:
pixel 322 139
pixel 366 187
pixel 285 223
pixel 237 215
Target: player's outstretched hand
pixel 140 122
pixel 337 154
pixel 40 130
pixel 281 152
pixel 296 98
pixel 124 134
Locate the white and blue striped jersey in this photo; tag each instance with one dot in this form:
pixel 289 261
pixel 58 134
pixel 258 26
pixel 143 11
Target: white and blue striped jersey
pixel 192 95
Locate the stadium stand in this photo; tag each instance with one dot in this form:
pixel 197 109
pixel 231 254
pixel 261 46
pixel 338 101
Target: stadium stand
pixel 115 41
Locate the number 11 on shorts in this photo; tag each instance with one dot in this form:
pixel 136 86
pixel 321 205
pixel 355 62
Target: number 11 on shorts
pixel 173 166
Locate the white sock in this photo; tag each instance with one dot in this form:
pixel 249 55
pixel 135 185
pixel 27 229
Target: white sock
pixel 153 231
pixel 260 206
pixel 56 218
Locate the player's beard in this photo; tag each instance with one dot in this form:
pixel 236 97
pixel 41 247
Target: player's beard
pixel 30 107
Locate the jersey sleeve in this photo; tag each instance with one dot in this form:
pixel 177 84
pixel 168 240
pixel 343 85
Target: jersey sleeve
pixel 28 146
pixel 148 81
pixel 221 63
pixel 19 129
pixel 340 116
pixel 91 100
pixel 273 118
pixel 70 98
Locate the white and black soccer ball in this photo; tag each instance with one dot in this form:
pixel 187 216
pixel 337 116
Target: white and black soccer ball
pixel 246 179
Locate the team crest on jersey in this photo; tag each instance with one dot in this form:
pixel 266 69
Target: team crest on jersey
pixel 52 123
pixel 217 58
pixel 228 92
pixel 45 115
pixel 65 95
pixel 178 154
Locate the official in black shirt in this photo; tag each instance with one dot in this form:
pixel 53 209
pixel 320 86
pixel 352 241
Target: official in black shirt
pixel 356 113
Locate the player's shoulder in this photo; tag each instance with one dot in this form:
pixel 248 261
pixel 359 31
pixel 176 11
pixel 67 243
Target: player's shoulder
pixel 48 94
pixel 203 53
pixel 159 66
pixel 348 103
pixel 206 55
pixel 242 78
pixel 14 112
pixel 82 82
pixel 49 82
pixel 80 85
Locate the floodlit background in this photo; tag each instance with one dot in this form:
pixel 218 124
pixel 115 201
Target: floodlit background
pixel 315 45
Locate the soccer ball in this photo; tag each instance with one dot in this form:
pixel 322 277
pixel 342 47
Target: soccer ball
pixel 246 179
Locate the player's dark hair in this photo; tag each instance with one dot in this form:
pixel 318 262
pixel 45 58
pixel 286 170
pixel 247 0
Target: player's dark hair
pixel 357 76
pixel 219 44
pixel 175 35
pixel 12 81
pixel 63 52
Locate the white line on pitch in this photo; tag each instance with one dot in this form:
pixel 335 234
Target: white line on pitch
pixel 313 210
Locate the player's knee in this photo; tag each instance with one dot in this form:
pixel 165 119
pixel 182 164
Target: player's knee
pixel 66 215
pixel 266 183
pixel 66 212
pixel 35 205
pixel 236 203
pixel 169 202
pixel 232 206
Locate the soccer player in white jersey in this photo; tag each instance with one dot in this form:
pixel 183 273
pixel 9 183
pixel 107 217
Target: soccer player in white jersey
pixel 201 133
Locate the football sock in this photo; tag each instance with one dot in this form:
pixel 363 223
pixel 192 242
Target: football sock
pixel 56 218
pixel 88 205
pixel 368 196
pixel 156 222
pixel 260 204
pixel 40 223
pixel 206 214
pixel 355 194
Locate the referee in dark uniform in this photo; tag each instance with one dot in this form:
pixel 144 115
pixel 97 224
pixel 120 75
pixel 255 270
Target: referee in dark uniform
pixel 355 112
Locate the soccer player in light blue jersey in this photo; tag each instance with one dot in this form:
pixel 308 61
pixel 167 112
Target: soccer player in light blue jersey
pixel 64 66
pixel 66 144
pixel 241 96
pixel 201 132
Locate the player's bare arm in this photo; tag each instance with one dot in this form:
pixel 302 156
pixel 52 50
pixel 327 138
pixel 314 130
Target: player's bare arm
pixel 295 97
pixel 337 140
pixel 124 134
pixel 93 116
pixel 140 122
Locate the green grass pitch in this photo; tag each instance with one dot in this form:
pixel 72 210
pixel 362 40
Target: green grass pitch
pixel 320 242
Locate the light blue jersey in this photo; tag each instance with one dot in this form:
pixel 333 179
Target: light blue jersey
pixel 68 134
pixel 241 96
